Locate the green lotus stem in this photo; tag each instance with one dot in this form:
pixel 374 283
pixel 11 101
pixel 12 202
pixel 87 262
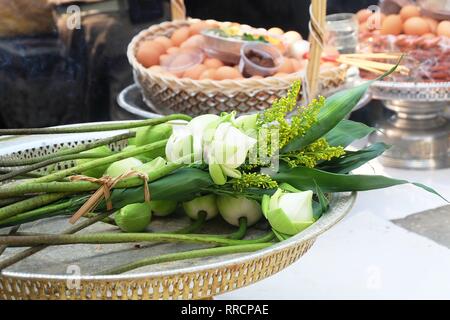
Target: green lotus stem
pixel 99 162
pixel 107 238
pixel 80 186
pixel 67 151
pixel 210 252
pixel 107 220
pixel 241 232
pixel 11 232
pixel 95 127
pixel 8 201
pixel 23 176
pixel 29 204
pixel 29 209
pixel 27 169
pixel 73 229
pixel 196 225
pixel 42 212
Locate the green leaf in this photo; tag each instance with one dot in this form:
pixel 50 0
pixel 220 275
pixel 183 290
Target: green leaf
pixel 306 178
pixel 323 201
pixel 353 159
pixel 346 132
pixel 336 108
pixel 182 185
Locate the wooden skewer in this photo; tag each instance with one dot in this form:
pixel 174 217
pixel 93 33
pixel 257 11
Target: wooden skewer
pixel 372 55
pixel 372 64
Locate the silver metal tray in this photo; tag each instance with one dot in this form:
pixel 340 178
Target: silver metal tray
pixel 66 272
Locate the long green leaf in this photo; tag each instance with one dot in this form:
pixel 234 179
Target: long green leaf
pixel 335 109
pixel 306 178
pixel 353 159
pixel 182 185
pixel 346 132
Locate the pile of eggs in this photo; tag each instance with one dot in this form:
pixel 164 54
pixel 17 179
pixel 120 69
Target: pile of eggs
pixel 409 21
pixel 162 54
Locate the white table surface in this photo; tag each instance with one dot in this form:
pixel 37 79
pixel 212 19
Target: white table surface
pixel 366 256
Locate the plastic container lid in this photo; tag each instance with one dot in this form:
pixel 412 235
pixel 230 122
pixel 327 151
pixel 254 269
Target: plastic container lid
pixel 180 61
pixel 260 51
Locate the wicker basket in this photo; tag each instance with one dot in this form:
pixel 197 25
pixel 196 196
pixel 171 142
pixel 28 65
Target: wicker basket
pixel 169 94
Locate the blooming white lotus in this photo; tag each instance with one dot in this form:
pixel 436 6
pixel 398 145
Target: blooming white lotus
pixel 213 140
pixel 198 128
pixel 227 151
pixel 179 144
pixel 288 212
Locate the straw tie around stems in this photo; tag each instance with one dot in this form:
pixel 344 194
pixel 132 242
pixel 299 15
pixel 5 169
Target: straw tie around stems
pixel 8 191
pixel 107 183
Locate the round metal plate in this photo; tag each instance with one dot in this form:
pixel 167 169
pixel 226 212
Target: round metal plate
pixel 67 272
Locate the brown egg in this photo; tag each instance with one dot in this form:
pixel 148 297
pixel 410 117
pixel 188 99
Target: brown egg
pixel 195 72
pixel 443 29
pixel 431 23
pixel 196 41
pixel 198 27
pixel 429 35
pixel 393 24
pixel 213 63
pixel 208 74
pixel 416 26
pixel 166 42
pixel 226 72
pixel 275 31
pixel 148 53
pixel 287 66
pixel 363 15
pixel 173 50
pixel 180 35
pixel 409 11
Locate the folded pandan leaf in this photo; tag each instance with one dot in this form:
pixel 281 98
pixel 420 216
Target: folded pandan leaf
pixel 353 159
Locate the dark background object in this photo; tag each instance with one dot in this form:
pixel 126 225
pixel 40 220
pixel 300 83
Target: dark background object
pixel 285 14
pixel 38 85
pixel 75 75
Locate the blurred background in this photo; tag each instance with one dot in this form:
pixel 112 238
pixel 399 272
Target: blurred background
pixel 50 74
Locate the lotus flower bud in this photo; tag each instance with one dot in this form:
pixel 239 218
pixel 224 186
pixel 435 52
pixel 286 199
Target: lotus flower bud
pixel 205 204
pixel 134 217
pixel 233 208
